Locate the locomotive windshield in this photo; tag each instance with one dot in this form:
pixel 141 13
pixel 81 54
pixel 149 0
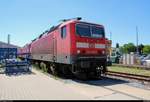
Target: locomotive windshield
pixel 83 30
pixel 89 31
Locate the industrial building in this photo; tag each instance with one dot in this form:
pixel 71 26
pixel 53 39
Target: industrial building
pixel 8 51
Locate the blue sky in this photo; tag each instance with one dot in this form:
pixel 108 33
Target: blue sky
pixel 24 20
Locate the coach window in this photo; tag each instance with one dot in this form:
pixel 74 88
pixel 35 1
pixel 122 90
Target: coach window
pixel 63 32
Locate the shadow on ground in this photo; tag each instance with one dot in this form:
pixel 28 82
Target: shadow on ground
pixel 104 81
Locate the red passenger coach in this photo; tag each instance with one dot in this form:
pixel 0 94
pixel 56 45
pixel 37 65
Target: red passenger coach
pixel 72 47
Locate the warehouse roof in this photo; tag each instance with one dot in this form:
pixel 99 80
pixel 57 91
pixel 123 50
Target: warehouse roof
pixel 5 45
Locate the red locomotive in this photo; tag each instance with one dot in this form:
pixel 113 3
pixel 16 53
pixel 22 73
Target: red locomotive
pixel 73 46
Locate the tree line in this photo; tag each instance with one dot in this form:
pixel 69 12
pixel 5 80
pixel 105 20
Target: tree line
pixel 130 47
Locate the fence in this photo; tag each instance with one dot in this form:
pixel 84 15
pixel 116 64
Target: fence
pixel 130 59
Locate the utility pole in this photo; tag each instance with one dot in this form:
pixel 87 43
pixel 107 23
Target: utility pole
pixel 8 40
pixel 110 35
pixel 137 40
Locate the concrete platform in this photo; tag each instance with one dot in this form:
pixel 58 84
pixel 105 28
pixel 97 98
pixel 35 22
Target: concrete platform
pixel 38 86
pixel 35 86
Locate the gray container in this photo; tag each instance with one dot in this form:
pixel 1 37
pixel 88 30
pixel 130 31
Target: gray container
pixel 6 53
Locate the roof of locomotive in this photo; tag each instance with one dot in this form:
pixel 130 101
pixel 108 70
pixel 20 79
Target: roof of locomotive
pixel 77 21
pixel 53 28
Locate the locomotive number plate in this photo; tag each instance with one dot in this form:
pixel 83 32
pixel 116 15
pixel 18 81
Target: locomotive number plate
pixel 91 45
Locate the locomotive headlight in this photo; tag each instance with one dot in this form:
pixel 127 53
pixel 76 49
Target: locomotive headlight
pixel 78 51
pixel 103 52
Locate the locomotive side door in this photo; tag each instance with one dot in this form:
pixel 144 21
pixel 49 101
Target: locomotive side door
pixel 54 49
pixel 65 44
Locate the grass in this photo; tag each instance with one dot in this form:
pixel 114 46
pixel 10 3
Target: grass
pixel 1 66
pixel 136 71
pixel 44 71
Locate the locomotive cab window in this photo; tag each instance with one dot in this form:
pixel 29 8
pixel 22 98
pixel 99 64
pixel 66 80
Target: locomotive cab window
pixel 83 30
pixel 89 31
pixel 97 32
pixel 63 32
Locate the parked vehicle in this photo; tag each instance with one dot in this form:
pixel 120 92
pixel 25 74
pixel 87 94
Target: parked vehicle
pixel 109 62
pixel 115 57
pixel 145 60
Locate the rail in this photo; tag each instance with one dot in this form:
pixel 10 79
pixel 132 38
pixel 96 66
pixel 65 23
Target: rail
pixel 129 76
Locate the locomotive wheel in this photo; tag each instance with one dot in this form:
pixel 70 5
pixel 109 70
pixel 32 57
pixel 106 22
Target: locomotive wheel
pixel 104 69
pixel 48 68
pixel 66 72
pixel 92 75
pixel 53 69
pixel 39 65
pixel 74 71
pixel 82 76
pixel 99 72
pixel 78 74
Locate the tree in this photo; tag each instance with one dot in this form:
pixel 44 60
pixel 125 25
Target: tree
pixel 127 48
pixel 121 48
pixel 140 48
pixel 146 49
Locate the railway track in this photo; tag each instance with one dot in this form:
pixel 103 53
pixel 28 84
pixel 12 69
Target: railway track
pixel 129 76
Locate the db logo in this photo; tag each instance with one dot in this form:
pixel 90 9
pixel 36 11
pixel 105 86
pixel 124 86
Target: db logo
pixel 91 45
